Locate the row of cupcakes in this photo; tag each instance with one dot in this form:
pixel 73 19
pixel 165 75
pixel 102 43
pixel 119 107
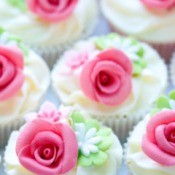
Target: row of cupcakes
pixel 50 27
pixel 68 141
pixel 114 79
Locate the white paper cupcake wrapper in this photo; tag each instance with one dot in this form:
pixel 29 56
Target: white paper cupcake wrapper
pixel 122 125
pixel 52 53
pixel 7 128
pixel 172 70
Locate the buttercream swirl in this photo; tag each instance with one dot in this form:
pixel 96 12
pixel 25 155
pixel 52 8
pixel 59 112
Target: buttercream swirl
pixel 135 18
pixel 44 33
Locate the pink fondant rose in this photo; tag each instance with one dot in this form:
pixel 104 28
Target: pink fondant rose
pixel 107 79
pixel 47 148
pixel 159 141
pixel 160 4
pixel 11 75
pixel 52 10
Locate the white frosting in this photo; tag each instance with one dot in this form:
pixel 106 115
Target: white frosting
pixel 146 88
pixel 111 167
pixel 138 162
pixel 38 32
pixel 134 18
pixel 36 82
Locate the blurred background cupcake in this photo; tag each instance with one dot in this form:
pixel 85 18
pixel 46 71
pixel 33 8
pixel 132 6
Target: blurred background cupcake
pixel 149 20
pixel 22 84
pixel 63 142
pixel 151 146
pixel 49 26
pixel 115 79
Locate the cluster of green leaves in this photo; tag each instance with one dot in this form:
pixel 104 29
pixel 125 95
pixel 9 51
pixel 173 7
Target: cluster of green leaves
pixel 21 4
pixel 101 156
pixel 164 102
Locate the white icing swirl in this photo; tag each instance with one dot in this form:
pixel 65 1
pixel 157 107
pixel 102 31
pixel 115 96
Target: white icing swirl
pixel 146 87
pixel 111 167
pixel 134 18
pixel 38 32
pixel 137 161
pixel 36 82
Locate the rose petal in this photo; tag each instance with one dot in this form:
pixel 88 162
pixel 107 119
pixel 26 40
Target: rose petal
pixel 160 4
pixel 155 153
pixel 14 86
pixel 8 71
pixel 13 54
pixel 46 5
pixel 162 140
pixel 161 118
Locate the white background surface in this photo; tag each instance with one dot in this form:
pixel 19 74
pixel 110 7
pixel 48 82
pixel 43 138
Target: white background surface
pixel 102 28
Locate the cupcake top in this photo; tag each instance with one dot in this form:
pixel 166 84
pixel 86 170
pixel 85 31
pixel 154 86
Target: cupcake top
pixel 109 75
pixel 22 84
pixel 151 146
pixel 64 141
pixel 45 23
pixel 149 20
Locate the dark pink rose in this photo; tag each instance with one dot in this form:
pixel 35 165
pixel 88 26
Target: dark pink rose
pixel 159 4
pixel 107 79
pixel 11 71
pixel 47 148
pixel 52 10
pixel 159 141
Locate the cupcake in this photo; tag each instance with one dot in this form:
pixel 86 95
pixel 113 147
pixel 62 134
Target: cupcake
pixel 149 20
pixel 64 141
pixel 22 84
pixel 114 79
pixel 150 148
pixel 49 26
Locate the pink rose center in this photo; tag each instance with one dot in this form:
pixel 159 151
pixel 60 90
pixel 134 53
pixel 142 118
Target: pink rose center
pixel 104 78
pixel 170 132
pixel 54 2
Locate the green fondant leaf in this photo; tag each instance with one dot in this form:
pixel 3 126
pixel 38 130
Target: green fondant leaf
pixel 77 117
pixel 137 69
pixel 1 30
pixel 99 158
pixel 92 123
pixel 112 36
pixel 163 102
pixel 105 144
pixel 142 63
pixel 172 95
pixel 140 53
pixel 84 161
pixel 24 49
pixel 21 4
pixel 104 132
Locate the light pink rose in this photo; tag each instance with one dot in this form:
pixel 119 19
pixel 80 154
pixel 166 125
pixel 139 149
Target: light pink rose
pixel 76 59
pixel 47 148
pixel 11 71
pixel 159 4
pixel 107 78
pixel 52 10
pixel 159 141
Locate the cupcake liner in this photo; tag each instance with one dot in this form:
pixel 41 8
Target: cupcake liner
pixel 52 53
pixel 7 127
pixel 172 70
pixel 165 50
pixel 122 125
